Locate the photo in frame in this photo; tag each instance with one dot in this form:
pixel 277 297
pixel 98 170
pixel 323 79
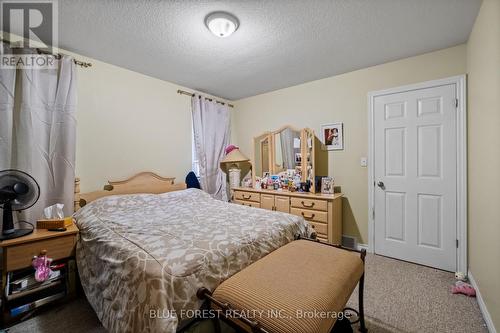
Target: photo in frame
pixel 327 185
pixel 298 158
pixel 333 136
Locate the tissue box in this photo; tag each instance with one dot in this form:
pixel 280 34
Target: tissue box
pixel 54 223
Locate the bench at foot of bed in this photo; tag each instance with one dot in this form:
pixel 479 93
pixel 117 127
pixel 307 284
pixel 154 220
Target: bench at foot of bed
pixel 301 287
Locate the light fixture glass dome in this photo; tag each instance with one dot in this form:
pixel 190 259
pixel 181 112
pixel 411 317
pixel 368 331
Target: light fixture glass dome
pixel 221 24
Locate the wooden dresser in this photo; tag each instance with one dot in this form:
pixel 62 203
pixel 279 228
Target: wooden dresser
pixel 323 211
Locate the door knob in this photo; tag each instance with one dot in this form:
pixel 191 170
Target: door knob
pixel 381 185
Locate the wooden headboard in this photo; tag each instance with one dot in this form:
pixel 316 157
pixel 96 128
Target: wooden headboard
pixel 144 182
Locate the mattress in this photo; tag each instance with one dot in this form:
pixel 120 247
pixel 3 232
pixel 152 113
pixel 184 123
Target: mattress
pixel 141 258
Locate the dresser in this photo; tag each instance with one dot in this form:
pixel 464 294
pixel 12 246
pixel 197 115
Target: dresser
pixel 322 211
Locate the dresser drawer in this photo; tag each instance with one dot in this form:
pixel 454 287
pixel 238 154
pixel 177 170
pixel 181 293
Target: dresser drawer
pixel 20 256
pixel 309 203
pixel 249 196
pixel 247 203
pixel 310 215
pixel 320 228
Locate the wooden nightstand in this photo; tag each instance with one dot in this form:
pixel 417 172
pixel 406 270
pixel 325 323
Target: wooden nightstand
pixel 19 252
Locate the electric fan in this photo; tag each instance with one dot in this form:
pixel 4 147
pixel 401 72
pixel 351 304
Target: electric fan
pixel 18 191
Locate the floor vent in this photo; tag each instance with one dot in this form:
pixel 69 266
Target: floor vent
pixel 349 242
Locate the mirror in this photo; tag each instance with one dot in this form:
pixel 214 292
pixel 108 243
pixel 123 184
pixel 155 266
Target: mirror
pixel 291 149
pixel 262 155
pixel 287 152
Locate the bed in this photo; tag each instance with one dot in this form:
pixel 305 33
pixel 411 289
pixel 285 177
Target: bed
pixel 142 256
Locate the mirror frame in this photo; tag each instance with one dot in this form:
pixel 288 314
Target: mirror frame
pixel 305 133
pixel 263 136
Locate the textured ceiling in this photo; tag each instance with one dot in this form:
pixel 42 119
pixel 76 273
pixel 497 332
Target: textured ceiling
pixel 279 43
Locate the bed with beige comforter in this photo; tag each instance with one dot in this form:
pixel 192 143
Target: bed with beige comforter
pixel 142 257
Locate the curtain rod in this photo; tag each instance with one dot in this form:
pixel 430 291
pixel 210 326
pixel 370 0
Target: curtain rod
pixel 187 93
pixel 56 55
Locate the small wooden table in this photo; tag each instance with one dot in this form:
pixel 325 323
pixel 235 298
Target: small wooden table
pixel 18 253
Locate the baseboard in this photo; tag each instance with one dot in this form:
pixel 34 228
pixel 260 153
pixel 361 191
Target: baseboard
pixel 482 305
pixel 362 246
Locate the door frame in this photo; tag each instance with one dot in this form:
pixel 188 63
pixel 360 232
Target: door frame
pixel 461 126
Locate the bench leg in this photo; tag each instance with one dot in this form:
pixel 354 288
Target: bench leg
pixel 216 323
pixel 362 326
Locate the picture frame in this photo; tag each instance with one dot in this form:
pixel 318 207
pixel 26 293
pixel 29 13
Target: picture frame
pixel 333 136
pixel 327 185
pixel 298 158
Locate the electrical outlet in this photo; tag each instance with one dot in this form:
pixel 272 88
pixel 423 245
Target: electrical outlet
pixel 363 162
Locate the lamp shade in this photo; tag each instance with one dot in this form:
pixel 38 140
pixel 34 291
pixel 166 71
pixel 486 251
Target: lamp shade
pixel 234 156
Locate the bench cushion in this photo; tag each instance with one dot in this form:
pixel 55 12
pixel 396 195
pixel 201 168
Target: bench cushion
pixel 290 289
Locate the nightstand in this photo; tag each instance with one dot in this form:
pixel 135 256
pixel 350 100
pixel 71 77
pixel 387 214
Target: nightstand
pixel 17 256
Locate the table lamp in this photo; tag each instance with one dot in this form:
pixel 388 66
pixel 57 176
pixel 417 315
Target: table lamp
pixel 229 164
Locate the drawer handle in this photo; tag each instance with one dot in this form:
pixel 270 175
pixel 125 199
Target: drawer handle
pixel 245 197
pixel 307 217
pixel 308 206
pixel 42 253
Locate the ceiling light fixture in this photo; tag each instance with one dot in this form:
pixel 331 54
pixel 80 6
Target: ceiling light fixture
pixel 221 24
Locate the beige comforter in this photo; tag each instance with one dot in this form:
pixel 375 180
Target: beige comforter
pixel 141 258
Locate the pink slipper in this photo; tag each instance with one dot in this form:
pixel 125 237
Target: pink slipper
pixel 461 287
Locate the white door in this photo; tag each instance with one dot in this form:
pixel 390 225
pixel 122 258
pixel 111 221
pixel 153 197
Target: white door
pixel 416 176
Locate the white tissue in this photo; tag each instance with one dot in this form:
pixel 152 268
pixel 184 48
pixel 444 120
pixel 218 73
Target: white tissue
pixel 54 211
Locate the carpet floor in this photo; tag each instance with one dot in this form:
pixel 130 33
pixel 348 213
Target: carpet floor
pixel 399 297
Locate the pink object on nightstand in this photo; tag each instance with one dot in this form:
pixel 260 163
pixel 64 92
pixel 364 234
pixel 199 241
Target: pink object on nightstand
pixel 41 264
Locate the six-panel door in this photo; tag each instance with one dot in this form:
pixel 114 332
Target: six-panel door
pixel 416 176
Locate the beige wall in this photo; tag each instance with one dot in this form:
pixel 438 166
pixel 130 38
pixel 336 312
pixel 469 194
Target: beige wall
pixel 127 123
pixel 483 65
pixel 342 98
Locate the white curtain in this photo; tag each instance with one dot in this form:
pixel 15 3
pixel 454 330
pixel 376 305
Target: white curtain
pixel 7 86
pixel 40 137
pixel 211 135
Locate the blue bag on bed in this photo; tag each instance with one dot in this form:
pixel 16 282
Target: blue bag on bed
pixel 192 181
